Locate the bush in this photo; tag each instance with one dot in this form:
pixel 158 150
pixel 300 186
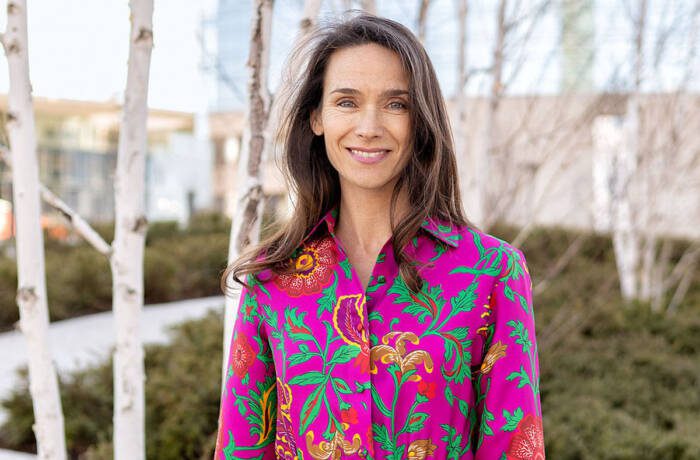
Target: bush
pixel 182 400
pixel 79 279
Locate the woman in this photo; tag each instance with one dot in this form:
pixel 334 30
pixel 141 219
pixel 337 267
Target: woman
pixel 378 322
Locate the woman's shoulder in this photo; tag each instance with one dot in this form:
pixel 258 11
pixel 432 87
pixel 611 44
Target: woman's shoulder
pixel 480 247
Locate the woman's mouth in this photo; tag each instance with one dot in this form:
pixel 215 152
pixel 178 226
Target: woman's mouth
pixel 368 155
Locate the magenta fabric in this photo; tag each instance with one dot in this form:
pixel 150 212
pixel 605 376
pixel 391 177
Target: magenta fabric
pixel 319 369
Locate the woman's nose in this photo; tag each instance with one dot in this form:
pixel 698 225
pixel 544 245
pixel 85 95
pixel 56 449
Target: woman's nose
pixel 369 124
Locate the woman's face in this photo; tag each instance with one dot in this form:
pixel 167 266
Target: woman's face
pixel 364 117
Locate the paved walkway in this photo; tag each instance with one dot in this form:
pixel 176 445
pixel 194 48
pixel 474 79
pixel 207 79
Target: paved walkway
pixel 12 455
pixel 87 340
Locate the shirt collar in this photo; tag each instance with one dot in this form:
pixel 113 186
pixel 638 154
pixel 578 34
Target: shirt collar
pixel 435 227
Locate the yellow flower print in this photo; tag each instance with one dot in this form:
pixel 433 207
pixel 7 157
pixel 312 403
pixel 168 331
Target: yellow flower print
pixel 388 354
pixel 421 448
pixel 496 352
pixel 333 449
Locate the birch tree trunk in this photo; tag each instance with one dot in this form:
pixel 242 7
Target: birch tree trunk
pixel 245 225
pixel 626 233
pixel 422 19
pixel 31 272
pixel 369 6
pixel 472 195
pixel 490 168
pixel 129 238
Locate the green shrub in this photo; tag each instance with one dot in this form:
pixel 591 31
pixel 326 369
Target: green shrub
pixel 79 279
pixel 182 400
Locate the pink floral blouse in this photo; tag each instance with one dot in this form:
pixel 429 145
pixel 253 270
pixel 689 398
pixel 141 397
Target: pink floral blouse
pixel 320 369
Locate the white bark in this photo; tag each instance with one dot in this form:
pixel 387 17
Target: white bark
pixel 31 271
pixel 129 239
pixel 490 168
pixel 309 16
pixel 369 6
pixel 466 171
pixel 626 213
pixel 422 19
pixel 245 225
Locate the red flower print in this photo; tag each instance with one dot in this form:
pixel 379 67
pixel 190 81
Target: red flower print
pixel 362 360
pixel 349 416
pixel 243 356
pixel 527 442
pixel 316 265
pixel 427 389
pixel 370 440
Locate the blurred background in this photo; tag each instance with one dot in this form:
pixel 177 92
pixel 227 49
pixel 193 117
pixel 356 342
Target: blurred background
pixel 586 111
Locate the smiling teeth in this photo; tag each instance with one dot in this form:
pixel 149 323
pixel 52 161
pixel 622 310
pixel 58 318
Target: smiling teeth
pixel 362 154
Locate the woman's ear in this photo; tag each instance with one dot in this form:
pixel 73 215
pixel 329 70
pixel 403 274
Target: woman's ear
pixel 316 125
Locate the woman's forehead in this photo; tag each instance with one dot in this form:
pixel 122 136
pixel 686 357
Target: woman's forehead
pixel 365 68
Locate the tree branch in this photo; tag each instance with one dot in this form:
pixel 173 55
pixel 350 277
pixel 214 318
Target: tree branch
pixel 80 225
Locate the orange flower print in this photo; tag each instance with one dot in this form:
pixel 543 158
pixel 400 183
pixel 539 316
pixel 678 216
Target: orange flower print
pixel 243 356
pixel 406 362
pixel 333 449
pixel 527 442
pixel 426 389
pixel 421 448
pixel 315 267
pixel 496 352
pixel 349 416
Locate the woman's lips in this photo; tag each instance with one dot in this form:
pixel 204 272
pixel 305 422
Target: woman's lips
pixel 368 156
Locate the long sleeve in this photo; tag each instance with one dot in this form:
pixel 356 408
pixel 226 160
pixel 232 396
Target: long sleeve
pixel 509 414
pixel 248 411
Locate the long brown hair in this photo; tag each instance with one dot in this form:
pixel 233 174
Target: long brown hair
pixel 430 177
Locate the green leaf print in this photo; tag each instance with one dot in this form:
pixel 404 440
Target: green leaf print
pixel 375 316
pixel 344 354
pixel 415 423
pixel 398 453
pixel 460 332
pixel 454 443
pixel 295 326
pixel 439 251
pixel 342 385
pixel 464 301
pixel 327 300
pixel 379 402
pixel 512 420
pixel 376 284
pixel 381 435
pixel 347 269
pixel 250 308
pixel 427 302
pixel 254 282
pixel 522 375
pixel 299 358
pixel 270 316
pixel 520 331
pixel 310 409
pixel 485 429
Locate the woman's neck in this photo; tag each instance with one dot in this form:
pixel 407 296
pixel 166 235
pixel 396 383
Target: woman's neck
pixel 363 220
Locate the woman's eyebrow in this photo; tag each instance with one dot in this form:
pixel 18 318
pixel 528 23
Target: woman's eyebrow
pixel 387 93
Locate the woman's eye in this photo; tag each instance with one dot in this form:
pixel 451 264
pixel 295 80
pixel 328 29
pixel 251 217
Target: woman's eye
pixel 397 105
pixel 346 103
